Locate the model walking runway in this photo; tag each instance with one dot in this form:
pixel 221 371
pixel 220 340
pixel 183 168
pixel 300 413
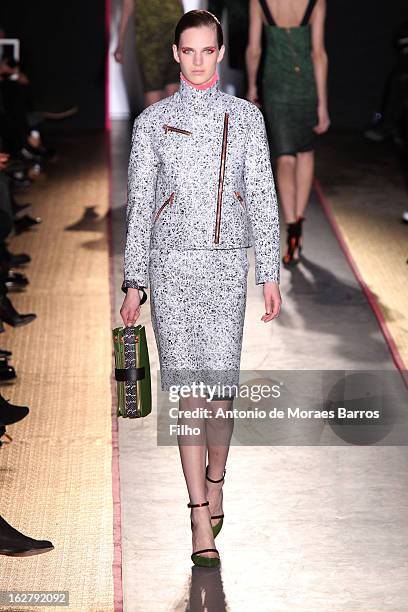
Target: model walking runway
pixel 324 508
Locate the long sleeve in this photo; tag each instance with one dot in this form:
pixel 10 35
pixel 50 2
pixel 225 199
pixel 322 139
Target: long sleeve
pixel 261 201
pixel 142 178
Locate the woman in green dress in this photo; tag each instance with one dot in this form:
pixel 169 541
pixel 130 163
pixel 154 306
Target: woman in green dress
pixel 154 25
pixel 294 97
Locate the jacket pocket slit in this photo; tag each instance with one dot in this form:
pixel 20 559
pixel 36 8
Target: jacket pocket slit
pixel 170 128
pixel 169 201
pixel 239 198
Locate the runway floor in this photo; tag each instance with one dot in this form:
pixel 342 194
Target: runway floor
pixel 308 527
pixel 56 475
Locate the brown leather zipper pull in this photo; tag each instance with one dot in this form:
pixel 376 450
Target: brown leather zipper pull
pixel 170 128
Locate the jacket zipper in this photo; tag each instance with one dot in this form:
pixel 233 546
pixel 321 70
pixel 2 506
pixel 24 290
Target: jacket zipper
pixel 239 197
pixel 169 128
pixel 169 200
pixel 221 180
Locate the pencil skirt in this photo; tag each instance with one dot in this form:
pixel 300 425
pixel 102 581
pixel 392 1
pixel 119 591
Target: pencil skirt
pixel 198 301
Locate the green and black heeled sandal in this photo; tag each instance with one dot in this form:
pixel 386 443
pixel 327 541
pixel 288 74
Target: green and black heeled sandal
pixel 198 559
pixel 218 526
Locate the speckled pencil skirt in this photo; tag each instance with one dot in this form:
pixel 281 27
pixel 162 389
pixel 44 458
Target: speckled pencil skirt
pixel 198 301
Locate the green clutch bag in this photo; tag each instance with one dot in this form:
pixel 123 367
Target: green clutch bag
pixel 132 372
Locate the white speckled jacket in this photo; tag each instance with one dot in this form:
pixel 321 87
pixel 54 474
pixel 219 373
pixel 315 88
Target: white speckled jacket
pixel 200 177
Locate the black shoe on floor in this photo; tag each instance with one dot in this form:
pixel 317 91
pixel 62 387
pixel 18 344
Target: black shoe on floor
pixel 14 260
pixel 7 372
pixel 9 314
pixel 5 353
pixel 25 223
pixel 20 259
pixel 16 544
pixel 17 208
pixel 10 413
pixel 15 281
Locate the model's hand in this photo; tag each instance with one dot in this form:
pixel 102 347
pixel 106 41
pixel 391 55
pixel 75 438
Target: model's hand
pixel 118 54
pixel 324 120
pixel 273 301
pixel 130 310
pixel 252 95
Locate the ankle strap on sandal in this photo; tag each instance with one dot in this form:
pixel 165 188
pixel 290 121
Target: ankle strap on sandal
pixel 210 479
pixel 190 505
pixel 197 552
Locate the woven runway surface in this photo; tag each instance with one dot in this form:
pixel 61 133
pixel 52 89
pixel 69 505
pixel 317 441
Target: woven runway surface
pixel 364 187
pixel 56 475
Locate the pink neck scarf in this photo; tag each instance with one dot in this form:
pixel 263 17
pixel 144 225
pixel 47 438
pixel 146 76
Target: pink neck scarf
pixel 206 85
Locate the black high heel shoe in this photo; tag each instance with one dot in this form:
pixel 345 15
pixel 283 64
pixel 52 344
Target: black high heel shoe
pixel 196 558
pixel 299 242
pixel 218 526
pixel 292 243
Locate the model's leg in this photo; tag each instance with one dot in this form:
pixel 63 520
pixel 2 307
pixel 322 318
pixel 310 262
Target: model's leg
pixel 286 182
pixel 193 456
pixel 219 431
pixel 304 179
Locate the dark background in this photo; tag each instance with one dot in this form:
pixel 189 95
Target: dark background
pixel 359 42
pixel 63 52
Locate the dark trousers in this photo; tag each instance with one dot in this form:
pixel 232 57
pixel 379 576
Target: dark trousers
pixel 6 211
pixel 14 126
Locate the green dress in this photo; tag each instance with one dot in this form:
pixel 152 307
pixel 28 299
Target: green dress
pixel 289 93
pixel 155 23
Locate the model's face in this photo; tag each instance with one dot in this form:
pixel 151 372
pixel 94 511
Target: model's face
pixel 198 54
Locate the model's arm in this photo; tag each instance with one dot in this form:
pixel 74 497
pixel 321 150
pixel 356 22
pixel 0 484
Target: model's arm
pixel 127 10
pixel 142 178
pixel 254 49
pixel 261 200
pixel 262 209
pixel 320 64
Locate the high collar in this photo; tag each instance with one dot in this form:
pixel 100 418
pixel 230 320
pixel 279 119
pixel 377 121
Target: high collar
pixel 198 100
